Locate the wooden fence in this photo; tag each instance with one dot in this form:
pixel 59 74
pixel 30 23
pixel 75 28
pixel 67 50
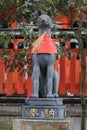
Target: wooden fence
pixel 70 78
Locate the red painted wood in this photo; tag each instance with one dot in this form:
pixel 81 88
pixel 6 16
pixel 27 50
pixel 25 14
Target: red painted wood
pixel 70 77
pixel 9 88
pixel 73 75
pixel 67 74
pixel 19 82
pixel 62 89
pixel 56 65
pixel 77 51
pixel 2 75
pixel 28 86
pixel 78 75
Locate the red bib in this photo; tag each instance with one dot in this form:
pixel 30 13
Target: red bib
pixel 47 46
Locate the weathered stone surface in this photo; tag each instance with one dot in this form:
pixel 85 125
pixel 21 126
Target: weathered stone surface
pixel 75 123
pixel 11 111
pixel 44 101
pixel 23 124
pixel 43 109
pixel 4 126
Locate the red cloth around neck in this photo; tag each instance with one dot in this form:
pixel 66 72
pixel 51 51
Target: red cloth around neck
pixel 47 46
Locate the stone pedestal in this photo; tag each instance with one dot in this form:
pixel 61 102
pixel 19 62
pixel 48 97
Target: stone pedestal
pixel 43 109
pixel 24 124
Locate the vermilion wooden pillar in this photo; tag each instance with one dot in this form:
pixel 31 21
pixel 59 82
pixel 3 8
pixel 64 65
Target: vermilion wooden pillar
pixel 67 74
pixel 78 76
pixel 73 75
pixel 9 89
pixel 2 75
pixel 62 89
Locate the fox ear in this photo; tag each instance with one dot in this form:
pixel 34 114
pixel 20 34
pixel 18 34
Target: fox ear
pixel 49 13
pixel 39 13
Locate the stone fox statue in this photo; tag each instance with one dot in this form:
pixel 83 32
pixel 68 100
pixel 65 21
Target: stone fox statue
pixel 45 78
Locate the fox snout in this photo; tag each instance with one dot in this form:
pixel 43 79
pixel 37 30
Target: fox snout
pixel 43 21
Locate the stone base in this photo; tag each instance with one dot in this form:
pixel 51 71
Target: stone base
pixel 43 109
pixel 24 124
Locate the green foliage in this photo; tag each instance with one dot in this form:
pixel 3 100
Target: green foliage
pixel 20 60
pixel 5 39
pixel 30 9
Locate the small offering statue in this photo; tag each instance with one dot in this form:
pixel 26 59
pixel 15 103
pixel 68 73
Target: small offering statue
pixel 45 79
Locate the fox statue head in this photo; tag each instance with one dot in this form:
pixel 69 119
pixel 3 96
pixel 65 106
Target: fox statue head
pixel 44 22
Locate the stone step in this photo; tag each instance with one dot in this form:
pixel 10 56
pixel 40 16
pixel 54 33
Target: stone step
pixel 23 124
